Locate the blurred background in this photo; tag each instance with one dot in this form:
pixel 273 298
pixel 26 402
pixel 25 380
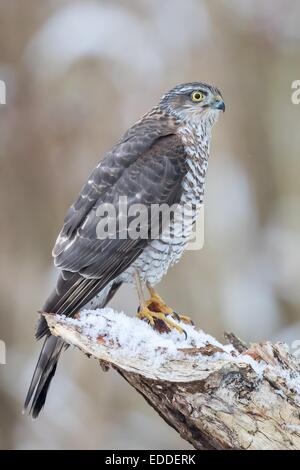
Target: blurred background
pixel 78 74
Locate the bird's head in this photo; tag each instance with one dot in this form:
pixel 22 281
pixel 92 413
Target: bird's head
pixel 193 102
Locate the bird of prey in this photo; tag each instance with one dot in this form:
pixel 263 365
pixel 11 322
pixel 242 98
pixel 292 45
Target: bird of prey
pixel 162 159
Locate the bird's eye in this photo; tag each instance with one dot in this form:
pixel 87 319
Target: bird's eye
pixel 197 96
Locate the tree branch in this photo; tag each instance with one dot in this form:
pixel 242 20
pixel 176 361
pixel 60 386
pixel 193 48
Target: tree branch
pixel 214 396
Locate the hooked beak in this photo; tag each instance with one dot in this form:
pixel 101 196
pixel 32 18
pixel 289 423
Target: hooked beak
pixel 218 103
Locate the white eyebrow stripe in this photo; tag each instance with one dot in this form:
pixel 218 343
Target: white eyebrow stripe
pixel 191 89
pixel 187 88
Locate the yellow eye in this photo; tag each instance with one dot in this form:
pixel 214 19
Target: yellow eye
pixel 197 96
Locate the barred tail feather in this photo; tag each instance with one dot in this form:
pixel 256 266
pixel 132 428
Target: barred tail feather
pixel 53 346
pixel 43 374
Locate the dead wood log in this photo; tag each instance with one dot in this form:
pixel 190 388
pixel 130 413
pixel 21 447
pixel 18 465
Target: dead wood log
pixel 214 396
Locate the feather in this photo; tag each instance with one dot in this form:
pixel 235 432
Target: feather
pixel 146 166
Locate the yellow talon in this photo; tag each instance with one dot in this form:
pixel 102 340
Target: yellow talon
pixel 158 320
pixel 155 311
pixel 156 303
pixel 145 314
pixel 183 318
pixel 161 316
pixel 161 305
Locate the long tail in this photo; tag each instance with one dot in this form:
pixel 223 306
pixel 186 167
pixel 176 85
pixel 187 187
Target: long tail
pixel 49 355
pixel 43 374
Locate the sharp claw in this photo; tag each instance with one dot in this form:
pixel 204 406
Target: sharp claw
pixel 159 321
pixel 176 316
pixel 184 319
pixel 157 314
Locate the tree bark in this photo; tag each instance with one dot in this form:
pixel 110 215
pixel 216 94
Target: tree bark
pixel 232 398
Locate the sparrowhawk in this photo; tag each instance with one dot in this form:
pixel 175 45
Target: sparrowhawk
pixel 162 159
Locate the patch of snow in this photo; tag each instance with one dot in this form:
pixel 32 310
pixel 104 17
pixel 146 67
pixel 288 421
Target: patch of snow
pixel 280 393
pixel 293 427
pixel 258 366
pixel 133 337
pixel 291 378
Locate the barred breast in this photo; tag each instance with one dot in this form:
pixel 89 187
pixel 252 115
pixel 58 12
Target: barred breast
pixel 165 251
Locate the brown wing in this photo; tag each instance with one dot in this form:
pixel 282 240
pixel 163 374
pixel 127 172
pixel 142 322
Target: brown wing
pixel 136 142
pixel 88 263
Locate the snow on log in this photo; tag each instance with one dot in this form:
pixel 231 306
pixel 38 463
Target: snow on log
pixel 215 396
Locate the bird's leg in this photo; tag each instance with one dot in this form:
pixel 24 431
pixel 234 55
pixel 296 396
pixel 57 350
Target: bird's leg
pixel 139 288
pixel 163 307
pixel 154 317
